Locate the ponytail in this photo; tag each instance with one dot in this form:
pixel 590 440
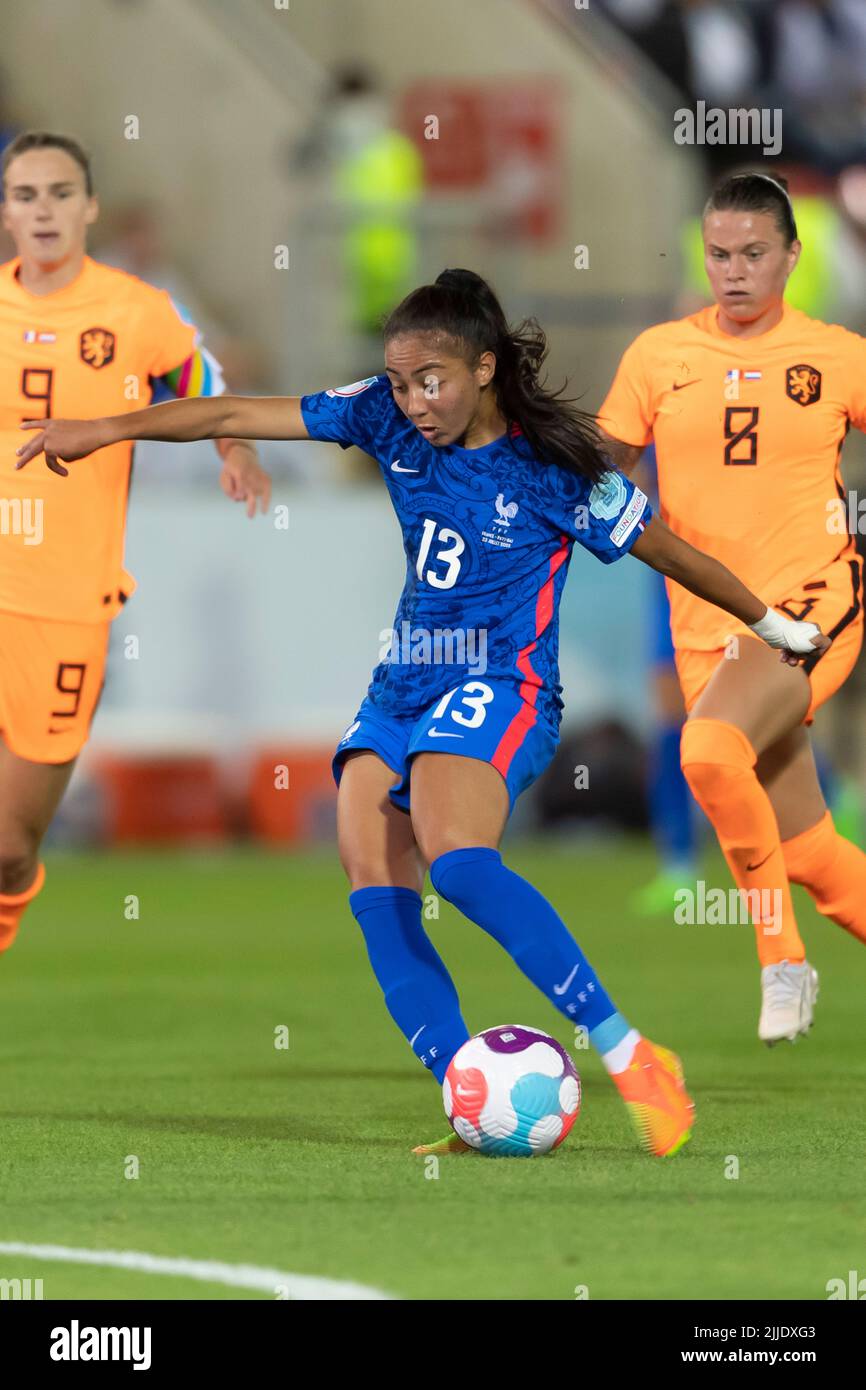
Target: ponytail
pixel 464 307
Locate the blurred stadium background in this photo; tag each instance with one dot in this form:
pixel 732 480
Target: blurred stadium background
pixel 228 134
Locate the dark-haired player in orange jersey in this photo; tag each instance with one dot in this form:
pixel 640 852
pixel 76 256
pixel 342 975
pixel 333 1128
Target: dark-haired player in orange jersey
pixel 76 337
pixel 748 403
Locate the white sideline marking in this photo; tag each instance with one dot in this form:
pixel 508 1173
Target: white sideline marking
pixel 292 1286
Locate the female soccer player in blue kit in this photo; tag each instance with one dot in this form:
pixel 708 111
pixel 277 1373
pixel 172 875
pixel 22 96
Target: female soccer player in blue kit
pixel 493 479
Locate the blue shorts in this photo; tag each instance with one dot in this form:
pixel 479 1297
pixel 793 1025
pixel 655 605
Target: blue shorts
pixel 487 720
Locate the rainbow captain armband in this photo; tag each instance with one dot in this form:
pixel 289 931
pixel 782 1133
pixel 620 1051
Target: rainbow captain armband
pixel 199 375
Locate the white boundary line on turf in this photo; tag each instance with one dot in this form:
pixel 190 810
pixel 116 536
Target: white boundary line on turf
pixel 273 1281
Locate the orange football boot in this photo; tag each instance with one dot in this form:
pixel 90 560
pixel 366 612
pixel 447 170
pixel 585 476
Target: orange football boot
pixel 655 1095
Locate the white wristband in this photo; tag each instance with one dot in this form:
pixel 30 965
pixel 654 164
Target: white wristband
pixel 784 633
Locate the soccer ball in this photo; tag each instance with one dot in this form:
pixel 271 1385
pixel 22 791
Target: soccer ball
pixel 512 1091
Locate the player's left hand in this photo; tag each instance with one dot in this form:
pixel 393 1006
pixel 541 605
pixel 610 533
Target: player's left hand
pixel 244 480
pixel 795 640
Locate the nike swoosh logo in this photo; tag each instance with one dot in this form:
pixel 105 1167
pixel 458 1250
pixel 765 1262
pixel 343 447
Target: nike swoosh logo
pixel 560 989
pixel 417 1035
pixel 751 867
pixel 681 385
pixel 440 733
pixel 395 468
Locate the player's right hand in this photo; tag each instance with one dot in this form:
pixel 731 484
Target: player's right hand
pixel 60 439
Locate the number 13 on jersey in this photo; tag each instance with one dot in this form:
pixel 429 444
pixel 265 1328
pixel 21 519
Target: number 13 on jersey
pixel 453 546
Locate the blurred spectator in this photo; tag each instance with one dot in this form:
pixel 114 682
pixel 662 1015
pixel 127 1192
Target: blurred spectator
pixel 805 57
pixel 136 244
pixel 657 28
pixel 723 52
pixel 817 74
pixel 374 174
pixel 820 51
pixel 708 50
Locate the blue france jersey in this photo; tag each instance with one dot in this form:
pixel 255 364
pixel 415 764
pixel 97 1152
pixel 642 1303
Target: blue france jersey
pixel 488 535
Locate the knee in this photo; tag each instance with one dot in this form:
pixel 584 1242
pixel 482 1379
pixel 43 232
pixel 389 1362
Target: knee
pixel 811 856
pixel 715 757
pixel 438 875
pixel 456 874
pixel 433 844
pixel 366 870
pixel 365 873
pixel 19 850
pixel 435 840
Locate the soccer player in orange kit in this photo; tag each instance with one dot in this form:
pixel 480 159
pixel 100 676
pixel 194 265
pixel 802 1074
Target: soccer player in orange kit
pixel 748 402
pixel 75 336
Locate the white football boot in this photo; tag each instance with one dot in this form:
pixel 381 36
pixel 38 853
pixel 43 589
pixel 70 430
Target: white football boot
pixel 789 994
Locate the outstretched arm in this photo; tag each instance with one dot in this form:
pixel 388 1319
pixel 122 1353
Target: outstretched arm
pixel 664 551
pixel 207 417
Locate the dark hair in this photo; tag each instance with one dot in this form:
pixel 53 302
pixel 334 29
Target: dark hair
pixel 755 193
pixel 44 140
pixel 464 307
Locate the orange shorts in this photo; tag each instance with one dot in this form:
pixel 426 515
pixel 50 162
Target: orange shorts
pixel 51 676
pixel 835 603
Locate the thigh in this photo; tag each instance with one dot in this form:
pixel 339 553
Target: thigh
pixel 756 691
pixel 457 803
pixel 506 746
pixel 29 795
pixel 787 772
pixel 376 840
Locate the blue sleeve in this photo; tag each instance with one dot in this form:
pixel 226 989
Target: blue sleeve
pixel 605 517
pixel 361 414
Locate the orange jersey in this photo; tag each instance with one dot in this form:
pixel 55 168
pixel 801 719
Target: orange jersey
pixel 748 435
pixel 87 350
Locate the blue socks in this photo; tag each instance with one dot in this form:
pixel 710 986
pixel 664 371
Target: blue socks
pixel 419 992
pixel 523 922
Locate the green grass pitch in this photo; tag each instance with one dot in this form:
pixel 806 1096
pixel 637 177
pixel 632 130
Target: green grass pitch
pixel 154 1039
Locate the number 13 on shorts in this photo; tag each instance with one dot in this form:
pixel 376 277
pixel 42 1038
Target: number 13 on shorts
pixel 475 695
pixel 491 721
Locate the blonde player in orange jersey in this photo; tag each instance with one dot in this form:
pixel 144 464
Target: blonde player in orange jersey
pixel 75 337
pixel 748 402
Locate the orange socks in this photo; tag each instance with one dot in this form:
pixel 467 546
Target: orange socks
pixel 719 765
pixel 834 872
pixel 12 907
